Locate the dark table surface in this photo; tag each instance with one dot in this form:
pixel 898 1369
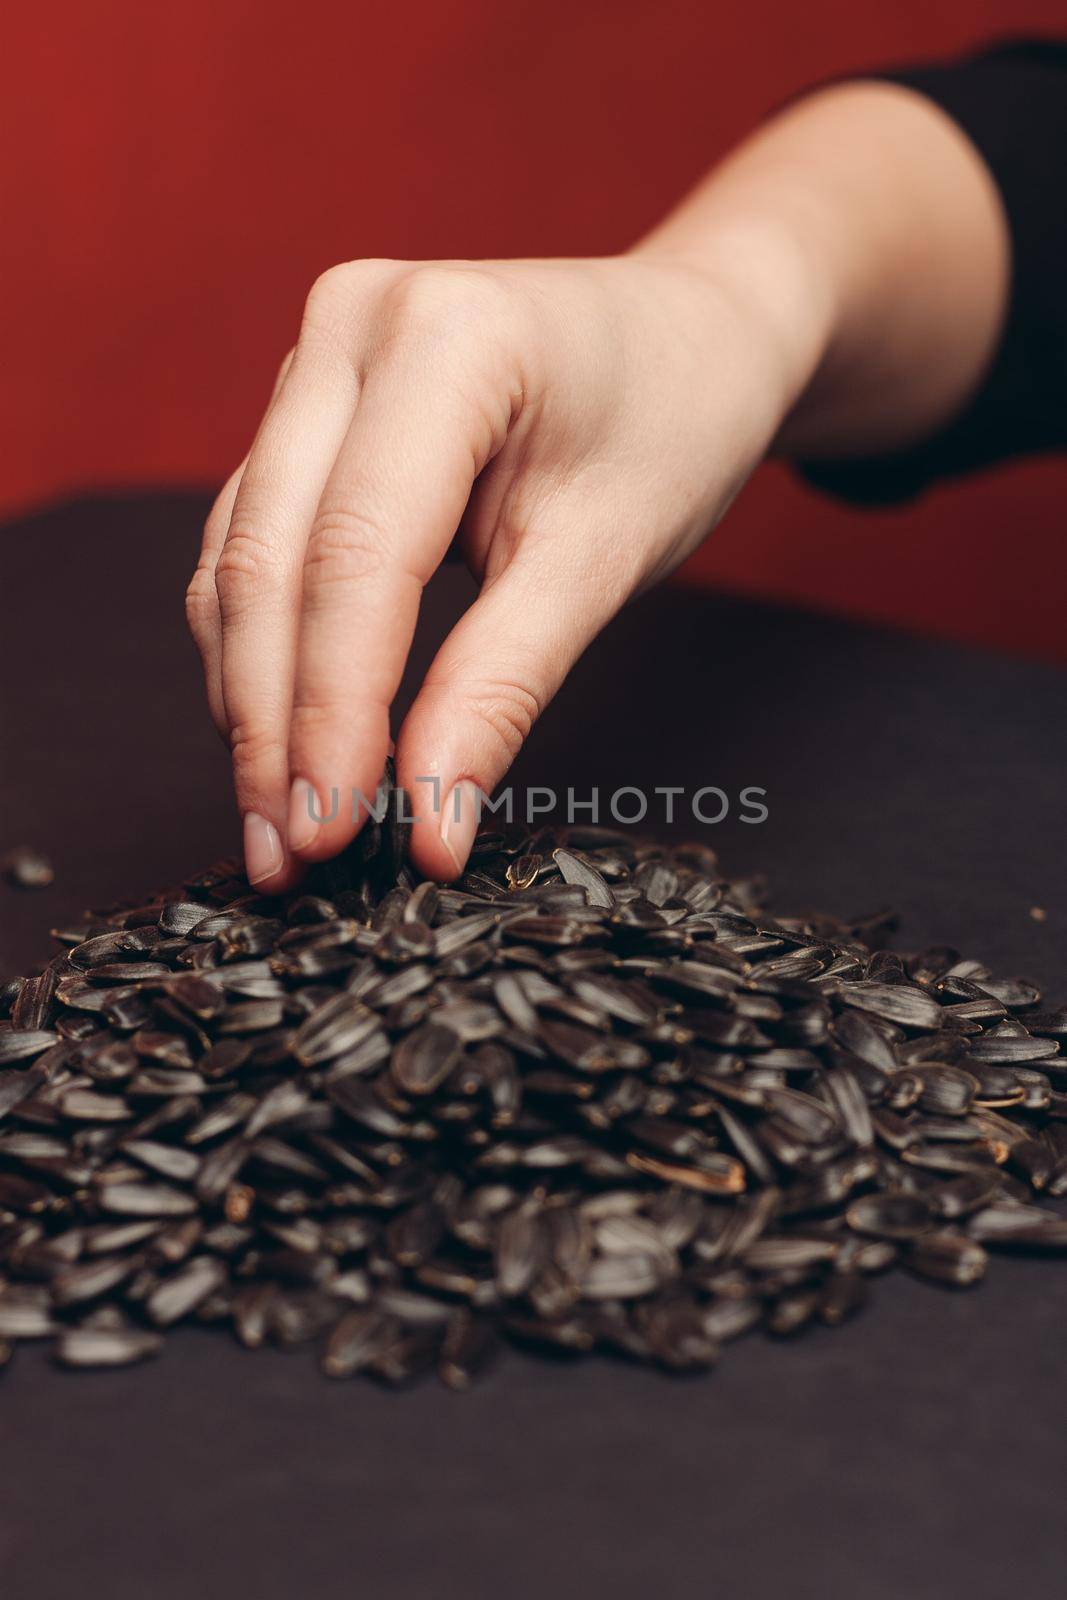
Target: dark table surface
pixel 920 1451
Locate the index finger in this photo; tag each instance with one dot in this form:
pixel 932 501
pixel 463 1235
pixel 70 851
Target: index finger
pixel 426 423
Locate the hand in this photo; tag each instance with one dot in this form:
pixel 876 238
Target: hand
pixel 581 426
pixel 836 286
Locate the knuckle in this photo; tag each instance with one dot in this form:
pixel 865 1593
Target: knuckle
pixel 442 298
pixel 508 710
pixel 201 599
pixel 332 295
pixel 346 547
pixel 246 568
pixel 308 720
pixel 254 747
pixel 326 295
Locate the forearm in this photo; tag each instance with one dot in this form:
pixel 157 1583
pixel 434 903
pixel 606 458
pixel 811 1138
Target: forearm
pixel 875 238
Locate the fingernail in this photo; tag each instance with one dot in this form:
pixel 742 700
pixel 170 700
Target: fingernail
pixel 305 814
pixel 263 848
pixel 459 821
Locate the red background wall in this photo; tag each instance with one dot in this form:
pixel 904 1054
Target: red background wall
pixel 173 180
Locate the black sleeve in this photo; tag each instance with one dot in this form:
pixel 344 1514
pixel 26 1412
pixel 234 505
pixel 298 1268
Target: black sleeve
pixel 1011 101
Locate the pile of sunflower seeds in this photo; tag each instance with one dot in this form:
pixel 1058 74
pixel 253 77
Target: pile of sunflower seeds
pixel 590 1096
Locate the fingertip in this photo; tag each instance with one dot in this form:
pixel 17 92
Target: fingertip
pixel 460 816
pixel 306 815
pixel 318 841
pixel 321 822
pixel 337 764
pixel 263 851
pixel 442 836
pixel 432 859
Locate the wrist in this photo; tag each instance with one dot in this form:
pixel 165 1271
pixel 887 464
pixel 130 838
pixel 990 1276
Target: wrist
pixel 869 233
pixel 773 265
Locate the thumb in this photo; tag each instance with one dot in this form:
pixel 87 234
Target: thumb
pixel 490 681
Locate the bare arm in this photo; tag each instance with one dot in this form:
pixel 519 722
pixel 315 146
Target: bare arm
pixel 886 248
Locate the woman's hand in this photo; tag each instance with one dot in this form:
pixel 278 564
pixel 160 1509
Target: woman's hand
pixel 837 286
pixel 580 424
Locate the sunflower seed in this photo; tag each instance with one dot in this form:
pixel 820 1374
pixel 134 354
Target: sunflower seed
pixel 104 1347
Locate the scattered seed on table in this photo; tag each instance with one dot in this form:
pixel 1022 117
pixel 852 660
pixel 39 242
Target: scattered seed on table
pixel 26 868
